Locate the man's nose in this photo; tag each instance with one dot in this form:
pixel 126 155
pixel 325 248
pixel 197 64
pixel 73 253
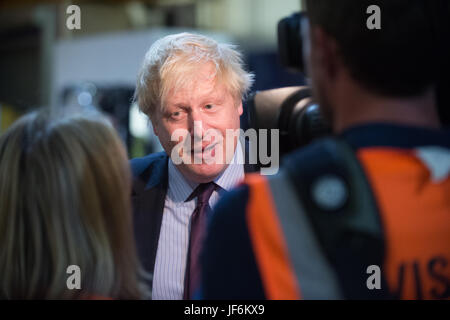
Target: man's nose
pixel 197 125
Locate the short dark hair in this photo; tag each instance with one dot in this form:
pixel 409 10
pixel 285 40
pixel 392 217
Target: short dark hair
pixel 400 59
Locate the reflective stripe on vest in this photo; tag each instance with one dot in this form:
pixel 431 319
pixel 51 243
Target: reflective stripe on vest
pixel 288 255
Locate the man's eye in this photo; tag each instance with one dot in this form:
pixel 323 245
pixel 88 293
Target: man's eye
pixel 176 115
pixel 209 106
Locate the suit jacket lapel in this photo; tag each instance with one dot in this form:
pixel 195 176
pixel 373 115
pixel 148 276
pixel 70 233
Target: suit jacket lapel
pixel 148 198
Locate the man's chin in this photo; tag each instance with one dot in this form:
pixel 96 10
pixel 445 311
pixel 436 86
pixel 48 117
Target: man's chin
pixel 202 173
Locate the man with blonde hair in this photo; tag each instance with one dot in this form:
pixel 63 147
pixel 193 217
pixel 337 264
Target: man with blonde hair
pixel 191 88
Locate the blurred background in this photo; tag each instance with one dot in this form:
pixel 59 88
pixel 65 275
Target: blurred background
pixel 44 63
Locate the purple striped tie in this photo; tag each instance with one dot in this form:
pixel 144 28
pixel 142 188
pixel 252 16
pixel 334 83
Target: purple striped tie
pixel 198 231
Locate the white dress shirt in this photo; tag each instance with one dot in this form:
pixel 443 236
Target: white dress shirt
pixel 171 255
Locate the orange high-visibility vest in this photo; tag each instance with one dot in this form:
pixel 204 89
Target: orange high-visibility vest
pixel 412 192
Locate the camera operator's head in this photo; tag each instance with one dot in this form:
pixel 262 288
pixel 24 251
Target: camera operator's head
pixel 385 70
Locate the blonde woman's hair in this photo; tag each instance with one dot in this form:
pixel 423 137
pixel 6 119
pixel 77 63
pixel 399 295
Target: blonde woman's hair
pixel 172 61
pixel 64 200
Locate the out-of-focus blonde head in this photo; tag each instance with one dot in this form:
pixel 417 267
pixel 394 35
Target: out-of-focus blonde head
pixel 64 195
pixel 172 62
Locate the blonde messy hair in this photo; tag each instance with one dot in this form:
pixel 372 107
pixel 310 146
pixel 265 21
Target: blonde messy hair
pixel 64 200
pixel 171 61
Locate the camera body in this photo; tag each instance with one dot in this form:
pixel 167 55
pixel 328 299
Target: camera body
pixel 291 110
pixel 290 42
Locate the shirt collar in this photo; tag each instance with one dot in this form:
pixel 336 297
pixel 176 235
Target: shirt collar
pixel 234 173
pixel 179 187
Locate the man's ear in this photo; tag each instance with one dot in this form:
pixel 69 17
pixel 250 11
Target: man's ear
pixel 324 53
pixel 240 108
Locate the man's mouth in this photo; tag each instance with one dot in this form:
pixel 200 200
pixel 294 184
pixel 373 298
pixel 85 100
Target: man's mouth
pixel 203 149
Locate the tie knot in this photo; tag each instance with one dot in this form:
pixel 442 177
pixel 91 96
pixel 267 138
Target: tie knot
pixel 203 192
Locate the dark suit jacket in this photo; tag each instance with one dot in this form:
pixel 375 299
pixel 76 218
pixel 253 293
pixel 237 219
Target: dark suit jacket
pixel 150 181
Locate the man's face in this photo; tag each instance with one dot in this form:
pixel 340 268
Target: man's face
pixel 202 109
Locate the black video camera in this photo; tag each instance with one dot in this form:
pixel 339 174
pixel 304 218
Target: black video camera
pixel 291 109
pixel 290 43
